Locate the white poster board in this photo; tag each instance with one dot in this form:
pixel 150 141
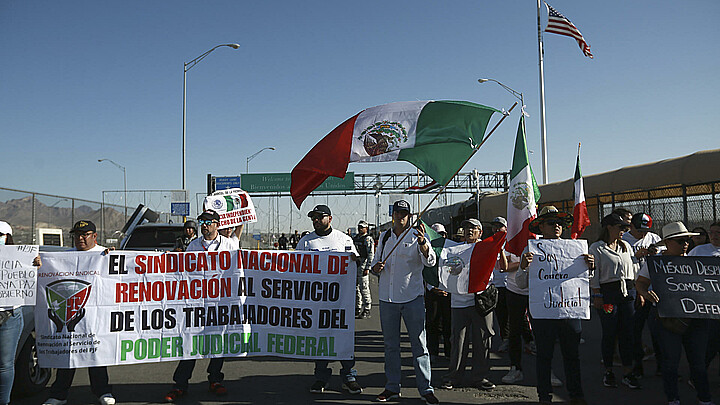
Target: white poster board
pixel 18 276
pixel 559 280
pixel 234 206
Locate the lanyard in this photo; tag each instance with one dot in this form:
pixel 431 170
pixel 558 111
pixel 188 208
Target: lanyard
pixel 202 245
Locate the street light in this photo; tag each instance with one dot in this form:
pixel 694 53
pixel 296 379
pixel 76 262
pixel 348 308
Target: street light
pixel 124 181
pixel 188 66
pixel 251 157
pixel 543 142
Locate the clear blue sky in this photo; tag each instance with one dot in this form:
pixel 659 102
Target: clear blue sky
pixel 84 80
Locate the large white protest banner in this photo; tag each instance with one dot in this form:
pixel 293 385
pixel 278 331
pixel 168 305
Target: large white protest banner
pixel 234 206
pixel 558 279
pixel 129 307
pixel 18 276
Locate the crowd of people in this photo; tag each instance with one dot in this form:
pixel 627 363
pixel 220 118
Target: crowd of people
pixel 621 296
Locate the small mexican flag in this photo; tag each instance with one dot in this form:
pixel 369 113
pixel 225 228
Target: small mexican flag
pixel 523 195
pixel 418 132
pixel 580 213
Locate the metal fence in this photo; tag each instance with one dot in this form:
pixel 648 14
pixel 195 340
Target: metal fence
pixel 694 205
pixel 33 215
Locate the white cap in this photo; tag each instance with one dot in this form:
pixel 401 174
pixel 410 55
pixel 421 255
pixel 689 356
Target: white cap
pixel 5 228
pixel 438 227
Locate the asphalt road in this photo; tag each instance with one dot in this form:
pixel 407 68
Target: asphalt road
pixel 278 381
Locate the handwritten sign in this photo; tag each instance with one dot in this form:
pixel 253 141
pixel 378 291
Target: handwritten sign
pixel 558 279
pixel 18 276
pixel 234 206
pixel 688 287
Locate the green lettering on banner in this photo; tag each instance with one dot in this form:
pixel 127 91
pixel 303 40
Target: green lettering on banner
pixel 301 345
pixel 152 348
pixel 280 182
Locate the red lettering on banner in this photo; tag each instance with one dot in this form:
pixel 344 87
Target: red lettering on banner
pixel 140 264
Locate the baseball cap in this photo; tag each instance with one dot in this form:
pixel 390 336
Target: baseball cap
pixel 472 222
pixel 209 215
pixel 320 209
pixel 362 224
pixel 438 227
pixel 5 228
pixel 499 220
pixel 641 221
pixel 612 219
pixel 83 226
pixel 401 205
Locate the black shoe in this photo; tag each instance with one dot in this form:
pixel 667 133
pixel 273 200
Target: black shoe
pixel 631 381
pixel 318 387
pixel 447 385
pixel 609 380
pixel 387 395
pixel 430 398
pixel 486 384
pixel 365 314
pixel 352 387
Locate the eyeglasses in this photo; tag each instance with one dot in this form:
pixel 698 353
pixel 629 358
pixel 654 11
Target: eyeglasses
pixel 207 222
pixel 83 235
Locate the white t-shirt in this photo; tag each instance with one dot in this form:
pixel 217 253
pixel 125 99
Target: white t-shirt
pixel 637 244
pixel 219 244
pixel 707 249
pixel 336 241
pixel 510 277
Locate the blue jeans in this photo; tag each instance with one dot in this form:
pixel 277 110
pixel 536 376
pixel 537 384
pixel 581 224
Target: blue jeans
pixel 618 325
pixel 413 313
pixel 567 332
pixel 323 372
pixel 9 337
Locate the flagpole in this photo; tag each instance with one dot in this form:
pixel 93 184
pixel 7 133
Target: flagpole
pixel 543 140
pixel 448 182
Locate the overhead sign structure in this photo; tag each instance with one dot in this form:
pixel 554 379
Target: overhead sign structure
pixel 180 208
pixel 280 182
pixel 225 182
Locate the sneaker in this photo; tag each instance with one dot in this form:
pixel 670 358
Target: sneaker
pixel 530 348
pixel 175 394
pixel 631 381
pixel 513 376
pixel 486 384
pixel 217 388
pixel 447 385
pixel 504 346
pixel 554 381
pixel 387 396
pixel 106 399
pixel 609 380
pixel 352 387
pixel 319 387
pixel 365 314
pixel 54 401
pixel 430 398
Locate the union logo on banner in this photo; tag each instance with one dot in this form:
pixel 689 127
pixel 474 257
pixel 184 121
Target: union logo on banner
pixel 66 301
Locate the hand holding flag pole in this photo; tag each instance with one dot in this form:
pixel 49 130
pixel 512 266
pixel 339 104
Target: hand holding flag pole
pixel 475 149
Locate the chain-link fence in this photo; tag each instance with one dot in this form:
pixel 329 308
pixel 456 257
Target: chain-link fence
pixel 38 218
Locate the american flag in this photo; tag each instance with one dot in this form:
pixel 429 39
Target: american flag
pixel 559 24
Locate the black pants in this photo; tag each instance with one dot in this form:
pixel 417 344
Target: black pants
pixel 64 378
pixel 184 370
pixel 437 315
pixel 501 313
pixel 518 314
pixel 567 332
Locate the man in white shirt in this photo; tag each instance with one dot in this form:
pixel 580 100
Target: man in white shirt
pixel 85 238
pixel 712 248
pixel 233 233
pixel 327 239
pixel 212 241
pixel 401 296
pixel 640 238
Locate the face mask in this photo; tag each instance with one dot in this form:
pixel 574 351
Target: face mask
pixel 3 238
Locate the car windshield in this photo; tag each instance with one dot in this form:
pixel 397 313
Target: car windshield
pixel 154 237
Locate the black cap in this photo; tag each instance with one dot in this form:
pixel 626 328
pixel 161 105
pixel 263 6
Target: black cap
pixel 190 223
pixel 83 226
pixel 209 215
pixel 641 221
pixel 401 205
pixel 320 209
pixel 613 219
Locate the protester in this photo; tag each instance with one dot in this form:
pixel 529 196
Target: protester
pixel 233 235
pixel 499 279
pixel 282 242
pixel 11 326
pixel 211 241
pixel 700 239
pixel 639 236
pixel 437 313
pixel 713 247
pixel 550 224
pixel 611 280
pixel 693 339
pixel 189 233
pixel 401 297
pixel 294 239
pixel 85 238
pixel 365 246
pixel 325 239
pixel 468 323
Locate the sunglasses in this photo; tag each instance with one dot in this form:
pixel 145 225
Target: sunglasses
pixel 207 222
pixel 318 217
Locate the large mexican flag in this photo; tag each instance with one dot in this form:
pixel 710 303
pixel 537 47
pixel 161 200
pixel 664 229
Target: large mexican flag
pixel 435 136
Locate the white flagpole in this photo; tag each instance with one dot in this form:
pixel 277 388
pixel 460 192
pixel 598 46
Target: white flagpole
pixel 543 140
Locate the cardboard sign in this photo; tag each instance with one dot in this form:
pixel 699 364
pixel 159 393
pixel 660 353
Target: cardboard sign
pixel 688 286
pixel 558 279
pixel 125 307
pixel 234 206
pixel 18 276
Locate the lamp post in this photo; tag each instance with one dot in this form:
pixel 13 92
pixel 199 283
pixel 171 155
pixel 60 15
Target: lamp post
pixel 188 66
pixel 251 157
pixel 124 181
pixel 543 142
